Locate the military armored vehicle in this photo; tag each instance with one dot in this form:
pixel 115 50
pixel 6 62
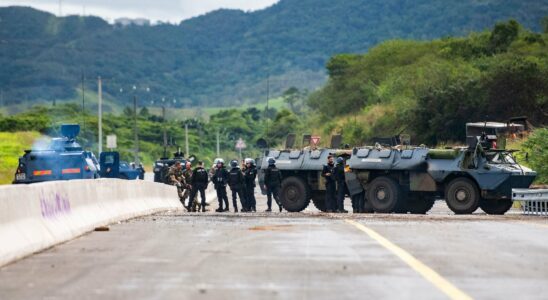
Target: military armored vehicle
pixel 409 180
pixel 301 173
pixel 63 159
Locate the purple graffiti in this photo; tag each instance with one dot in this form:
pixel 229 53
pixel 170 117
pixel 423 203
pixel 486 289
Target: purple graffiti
pixel 54 204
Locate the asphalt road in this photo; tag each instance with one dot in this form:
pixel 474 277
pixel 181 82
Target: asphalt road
pixel 177 255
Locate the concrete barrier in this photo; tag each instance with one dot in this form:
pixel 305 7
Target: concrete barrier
pixel 35 217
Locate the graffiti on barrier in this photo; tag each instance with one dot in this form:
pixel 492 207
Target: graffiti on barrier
pixel 54 204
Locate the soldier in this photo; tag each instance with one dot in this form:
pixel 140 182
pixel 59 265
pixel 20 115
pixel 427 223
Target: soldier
pixel 272 182
pixel 330 185
pixel 250 174
pixel 237 186
pixel 220 179
pixel 176 178
pixel 341 185
pixel 187 174
pixel 199 184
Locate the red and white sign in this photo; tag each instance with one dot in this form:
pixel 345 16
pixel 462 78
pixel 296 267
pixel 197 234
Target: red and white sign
pixel 240 144
pixel 315 140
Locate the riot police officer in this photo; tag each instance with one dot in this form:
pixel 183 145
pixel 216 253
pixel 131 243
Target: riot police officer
pixel 220 179
pixel 250 176
pixel 330 185
pixel 272 181
pixel 341 185
pixel 237 186
pixel 176 178
pixel 199 184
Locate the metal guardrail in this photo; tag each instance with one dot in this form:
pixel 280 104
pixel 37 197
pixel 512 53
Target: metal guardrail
pixel 533 202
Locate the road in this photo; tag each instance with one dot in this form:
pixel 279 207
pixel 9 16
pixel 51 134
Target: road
pixel 177 255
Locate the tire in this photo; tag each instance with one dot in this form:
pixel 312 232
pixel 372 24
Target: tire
pixel 318 198
pixel 124 177
pixel 385 195
pixel 462 196
pixel 420 204
pixel 496 206
pixel 294 194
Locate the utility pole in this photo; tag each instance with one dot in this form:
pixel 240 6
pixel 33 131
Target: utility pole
pixel 83 106
pixel 100 115
pixel 135 130
pixel 218 145
pixel 165 130
pixel 186 139
pixel 267 100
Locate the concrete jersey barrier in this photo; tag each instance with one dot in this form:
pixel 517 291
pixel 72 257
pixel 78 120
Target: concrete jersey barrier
pixel 35 217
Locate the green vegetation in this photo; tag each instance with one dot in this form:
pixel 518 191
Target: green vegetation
pixel 532 153
pixel 248 124
pixel 431 89
pixel 12 145
pixel 225 58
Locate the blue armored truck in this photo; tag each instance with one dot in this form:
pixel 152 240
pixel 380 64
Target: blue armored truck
pixel 63 159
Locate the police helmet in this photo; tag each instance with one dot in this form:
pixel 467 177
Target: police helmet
pixel 340 160
pixel 271 161
pixel 234 163
pixel 216 161
pixel 250 161
pixel 220 161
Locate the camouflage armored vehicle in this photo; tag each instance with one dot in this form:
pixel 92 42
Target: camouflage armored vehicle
pixel 410 180
pixel 301 173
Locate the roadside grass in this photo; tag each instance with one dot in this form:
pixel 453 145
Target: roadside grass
pixel 12 146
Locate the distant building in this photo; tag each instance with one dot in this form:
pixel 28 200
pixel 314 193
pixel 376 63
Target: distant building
pixel 127 21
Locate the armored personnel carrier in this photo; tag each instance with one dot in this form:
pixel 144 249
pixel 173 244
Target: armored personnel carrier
pixel 409 180
pixel 63 159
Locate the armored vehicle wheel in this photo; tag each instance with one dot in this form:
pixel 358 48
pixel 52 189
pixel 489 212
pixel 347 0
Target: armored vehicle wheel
pixel 385 195
pixel 462 196
pixel 319 201
pixel 496 206
pixel 420 204
pixel 294 194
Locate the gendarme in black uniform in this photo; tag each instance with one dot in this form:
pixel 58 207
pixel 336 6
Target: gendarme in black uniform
pixel 330 186
pixel 237 186
pixel 341 185
pixel 250 175
pixel 220 180
pixel 272 181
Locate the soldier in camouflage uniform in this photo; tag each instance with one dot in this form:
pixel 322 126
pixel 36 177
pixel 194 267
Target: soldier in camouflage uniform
pixel 177 178
pixel 187 174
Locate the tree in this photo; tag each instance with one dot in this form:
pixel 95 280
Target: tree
pixel 503 35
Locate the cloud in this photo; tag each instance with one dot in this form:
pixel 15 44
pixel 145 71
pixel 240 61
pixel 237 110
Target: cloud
pixel 159 10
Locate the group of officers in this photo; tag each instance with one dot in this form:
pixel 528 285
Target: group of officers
pixel 241 180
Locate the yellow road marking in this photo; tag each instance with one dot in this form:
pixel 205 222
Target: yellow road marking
pixel 436 279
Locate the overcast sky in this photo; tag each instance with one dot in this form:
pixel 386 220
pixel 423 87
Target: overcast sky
pixel 164 10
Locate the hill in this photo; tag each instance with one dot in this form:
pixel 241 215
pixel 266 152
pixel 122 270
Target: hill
pixel 226 57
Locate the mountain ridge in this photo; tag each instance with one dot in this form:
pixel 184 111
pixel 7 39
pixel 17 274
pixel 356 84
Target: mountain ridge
pixel 225 57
